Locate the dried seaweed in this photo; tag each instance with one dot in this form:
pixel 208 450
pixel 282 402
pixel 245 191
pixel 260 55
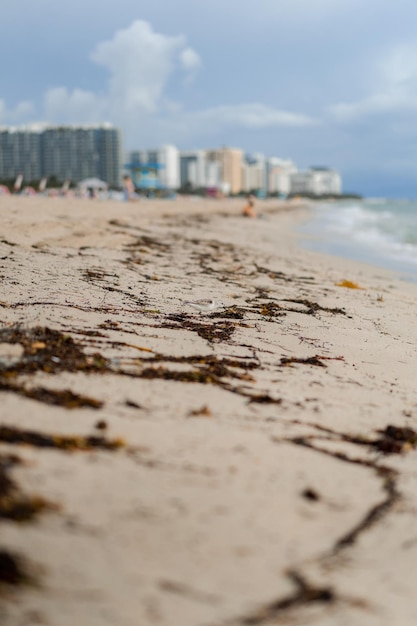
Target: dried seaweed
pixel 269 309
pixel 12 435
pixel 213 333
pixel 313 307
pixel 231 312
pixel 12 569
pixel 64 397
pixel 304 594
pixel 311 360
pixel 14 505
pixel 144 241
pixel 49 351
pixel 395 440
pixel 264 398
pixel 316 360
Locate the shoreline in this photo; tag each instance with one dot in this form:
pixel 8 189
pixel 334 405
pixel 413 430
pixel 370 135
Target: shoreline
pixel 319 238
pixel 241 466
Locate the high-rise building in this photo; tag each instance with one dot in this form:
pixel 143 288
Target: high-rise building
pixel 65 152
pixel 199 172
pixel 155 169
pixel 231 160
pixel 279 172
pixel 317 181
pixel 192 169
pixel 169 158
pixel 254 173
pixel 20 152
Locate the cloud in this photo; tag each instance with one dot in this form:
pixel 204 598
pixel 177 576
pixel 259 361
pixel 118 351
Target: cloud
pixel 190 60
pixel 20 113
pixel 397 92
pixel 254 116
pixel 73 106
pixel 372 105
pixel 142 67
pixel 221 120
pixel 140 62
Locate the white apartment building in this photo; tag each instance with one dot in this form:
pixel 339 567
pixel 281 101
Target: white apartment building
pixel 254 173
pixel 279 172
pixel 169 174
pixel 164 167
pixel 199 172
pixel 193 169
pixel 316 181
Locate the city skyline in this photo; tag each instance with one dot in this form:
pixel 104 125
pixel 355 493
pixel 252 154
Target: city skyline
pixel 35 153
pixel 307 80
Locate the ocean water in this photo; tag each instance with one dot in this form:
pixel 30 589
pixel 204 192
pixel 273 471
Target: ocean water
pixel 379 231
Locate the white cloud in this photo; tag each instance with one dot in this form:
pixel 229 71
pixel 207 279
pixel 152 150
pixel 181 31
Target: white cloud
pixel 397 77
pixel 190 59
pixel 20 113
pixel 400 66
pixel 253 116
pixel 75 106
pixel 140 62
pixel 372 105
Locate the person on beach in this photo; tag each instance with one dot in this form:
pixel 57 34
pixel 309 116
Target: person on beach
pixel 128 188
pixel 248 210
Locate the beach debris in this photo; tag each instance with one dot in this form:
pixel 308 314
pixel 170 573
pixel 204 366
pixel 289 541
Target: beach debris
pixel 349 284
pixel 311 308
pixel 10 354
pixel 305 594
pixel 48 350
pixel 311 360
pixel 213 333
pixel 204 411
pixel 263 398
pixel 231 312
pixel 395 440
pixel 12 570
pixel 15 505
pixel 310 494
pixel 205 305
pixel 13 435
pixel 270 309
pixel 64 397
pixel 133 405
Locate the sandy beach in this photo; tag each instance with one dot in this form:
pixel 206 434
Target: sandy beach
pixel 254 464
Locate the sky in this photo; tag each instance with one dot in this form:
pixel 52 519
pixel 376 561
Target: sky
pixel 322 82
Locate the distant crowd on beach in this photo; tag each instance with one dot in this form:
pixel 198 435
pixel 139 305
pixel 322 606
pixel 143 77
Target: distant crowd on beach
pixel 97 190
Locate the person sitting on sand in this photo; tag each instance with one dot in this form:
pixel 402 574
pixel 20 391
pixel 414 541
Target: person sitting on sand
pixel 248 210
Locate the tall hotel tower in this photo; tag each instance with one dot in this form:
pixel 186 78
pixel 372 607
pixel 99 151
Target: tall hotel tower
pixel 231 160
pixel 65 152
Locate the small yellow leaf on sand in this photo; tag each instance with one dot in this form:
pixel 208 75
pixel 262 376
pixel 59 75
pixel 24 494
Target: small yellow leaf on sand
pixel 348 284
pixel 38 345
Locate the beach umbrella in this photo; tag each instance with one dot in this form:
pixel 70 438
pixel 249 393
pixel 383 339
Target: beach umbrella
pixel 92 183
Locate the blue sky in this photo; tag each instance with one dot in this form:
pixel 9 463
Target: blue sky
pixel 323 82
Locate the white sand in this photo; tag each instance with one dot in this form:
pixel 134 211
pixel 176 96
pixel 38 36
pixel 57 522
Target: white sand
pixel 203 519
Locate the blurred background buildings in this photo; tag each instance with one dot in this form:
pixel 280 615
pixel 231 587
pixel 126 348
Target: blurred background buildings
pixel 72 154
